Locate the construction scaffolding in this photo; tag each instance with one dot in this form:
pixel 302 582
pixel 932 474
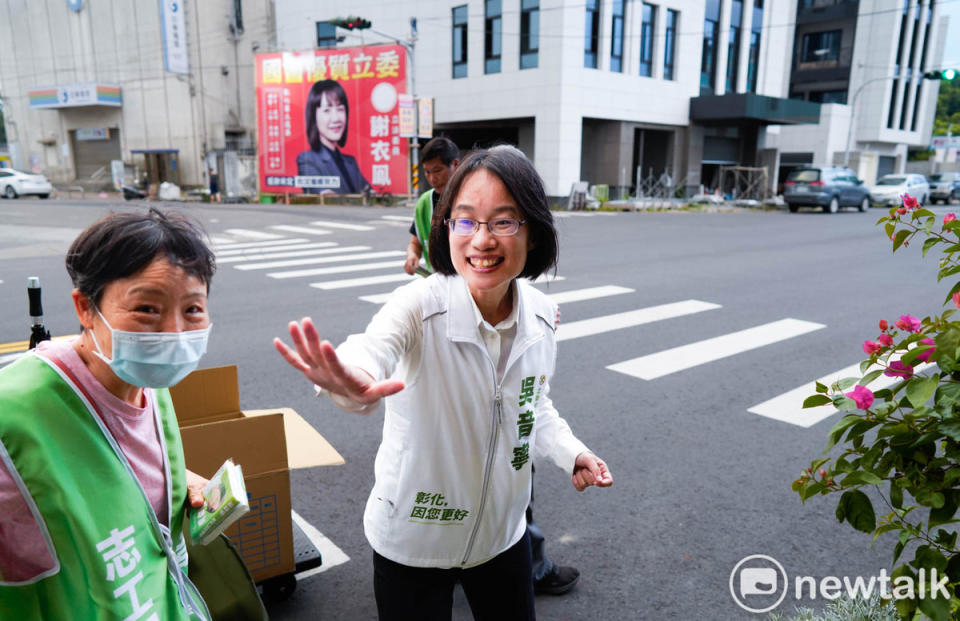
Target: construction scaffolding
pixel 744 182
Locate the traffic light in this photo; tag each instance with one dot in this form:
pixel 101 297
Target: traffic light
pixel 940 74
pixel 350 23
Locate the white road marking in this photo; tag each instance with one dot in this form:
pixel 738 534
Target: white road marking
pixel 356 256
pixel 592 293
pixel 330 554
pixel 788 407
pixel 341 225
pixel 216 240
pixel 299 229
pixel 629 319
pixel 233 245
pixel 253 234
pixel 407 219
pixel 304 246
pixel 362 282
pixel 688 356
pixel 339 269
pixel 266 256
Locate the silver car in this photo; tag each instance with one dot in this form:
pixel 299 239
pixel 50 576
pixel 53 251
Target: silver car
pixel 14 183
pixel 944 187
pixel 890 189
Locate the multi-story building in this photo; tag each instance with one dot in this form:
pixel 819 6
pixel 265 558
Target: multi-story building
pixel 864 60
pixel 165 87
pixel 602 89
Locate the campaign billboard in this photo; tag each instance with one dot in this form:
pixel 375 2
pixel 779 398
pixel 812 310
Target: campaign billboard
pixel 328 120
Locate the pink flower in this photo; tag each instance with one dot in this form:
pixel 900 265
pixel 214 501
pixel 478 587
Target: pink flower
pixel 885 339
pixel 901 211
pixel 956 299
pixel 949 218
pixel 925 356
pixel 909 202
pixel 909 323
pixel 862 396
pixel 898 369
pixel 871 347
pixel 883 324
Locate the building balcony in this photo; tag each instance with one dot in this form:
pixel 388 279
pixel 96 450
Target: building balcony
pixel 813 11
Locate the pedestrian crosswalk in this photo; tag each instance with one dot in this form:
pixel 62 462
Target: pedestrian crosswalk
pixel 327 265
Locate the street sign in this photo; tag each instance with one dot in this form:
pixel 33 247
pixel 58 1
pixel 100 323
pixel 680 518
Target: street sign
pixel 945 142
pixel 425 117
pixel 407 114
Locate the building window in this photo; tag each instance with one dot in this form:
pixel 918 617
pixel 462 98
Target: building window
pixel 616 37
pixel 492 36
pixel 820 46
pixel 923 65
pixel 896 63
pixel 711 35
pixel 669 43
pixel 836 96
pixel 917 13
pixel 733 46
pixel 460 41
pixel 529 33
pixel 591 34
pixel 326 34
pixel 647 30
pixel 754 59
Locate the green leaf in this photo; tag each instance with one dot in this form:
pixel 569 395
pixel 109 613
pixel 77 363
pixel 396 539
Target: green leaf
pixel 923 212
pixel 951 429
pixel 844 383
pixel 919 390
pixel 938 609
pixel 869 377
pixel 814 488
pixel 947 398
pixel 945 512
pixel 864 366
pixel 816 400
pixel 861 477
pixel 953 568
pixel 844 403
pixel 953 290
pixel 822 388
pixel 856 508
pixel 900 237
pixel 951 477
pixel 889 227
pixel 929 498
pixel 896 496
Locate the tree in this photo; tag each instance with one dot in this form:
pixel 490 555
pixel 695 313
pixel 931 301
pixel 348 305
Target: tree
pixel 948 108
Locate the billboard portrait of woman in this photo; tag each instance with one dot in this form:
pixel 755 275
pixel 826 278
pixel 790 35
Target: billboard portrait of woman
pixel 328 115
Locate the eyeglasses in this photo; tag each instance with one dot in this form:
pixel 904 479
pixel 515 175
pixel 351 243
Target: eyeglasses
pixel 502 227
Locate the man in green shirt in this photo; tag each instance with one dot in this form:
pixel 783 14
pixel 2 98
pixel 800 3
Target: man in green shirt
pixel 439 158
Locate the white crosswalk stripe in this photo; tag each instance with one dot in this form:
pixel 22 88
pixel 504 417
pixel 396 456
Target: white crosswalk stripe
pixel 254 251
pixel 342 225
pixel 338 269
pixel 289 228
pixel 259 244
pixel 267 256
pixel 247 233
pixel 687 356
pixel 629 319
pixel 407 219
pixel 563 297
pixel 217 240
pixel 362 282
pixel 788 407
pixel 356 256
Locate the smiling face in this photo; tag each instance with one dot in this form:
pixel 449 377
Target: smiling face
pixel 331 120
pixel 488 262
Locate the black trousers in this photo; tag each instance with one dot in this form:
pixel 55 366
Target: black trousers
pixel 499 590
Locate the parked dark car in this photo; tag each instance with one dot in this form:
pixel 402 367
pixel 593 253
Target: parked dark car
pixel 944 187
pixel 828 188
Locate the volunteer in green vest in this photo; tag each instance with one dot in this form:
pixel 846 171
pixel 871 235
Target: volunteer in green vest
pixel 440 158
pixel 93 486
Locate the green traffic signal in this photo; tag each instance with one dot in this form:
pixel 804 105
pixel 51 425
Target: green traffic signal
pixel 941 74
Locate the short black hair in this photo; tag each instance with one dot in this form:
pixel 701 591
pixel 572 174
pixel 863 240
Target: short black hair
pixel 525 186
pixel 335 95
pixel 121 244
pixel 440 147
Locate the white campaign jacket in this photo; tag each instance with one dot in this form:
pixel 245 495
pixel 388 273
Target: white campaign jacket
pixel 453 468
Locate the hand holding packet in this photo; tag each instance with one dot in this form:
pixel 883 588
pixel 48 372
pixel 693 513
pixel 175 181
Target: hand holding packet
pixel 225 502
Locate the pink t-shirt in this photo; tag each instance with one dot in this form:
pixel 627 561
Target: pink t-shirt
pixel 23 552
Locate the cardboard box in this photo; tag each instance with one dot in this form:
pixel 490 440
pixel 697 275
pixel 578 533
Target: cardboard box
pixel 266 443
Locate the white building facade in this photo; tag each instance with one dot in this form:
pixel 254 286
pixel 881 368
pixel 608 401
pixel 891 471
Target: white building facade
pixel 865 62
pixel 166 87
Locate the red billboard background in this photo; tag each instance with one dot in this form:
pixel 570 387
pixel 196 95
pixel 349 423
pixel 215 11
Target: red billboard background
pixel 372 77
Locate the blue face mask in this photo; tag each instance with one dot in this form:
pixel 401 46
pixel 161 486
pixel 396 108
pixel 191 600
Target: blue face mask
pixel 153 359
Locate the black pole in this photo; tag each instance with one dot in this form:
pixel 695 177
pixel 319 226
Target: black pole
pixel 38 332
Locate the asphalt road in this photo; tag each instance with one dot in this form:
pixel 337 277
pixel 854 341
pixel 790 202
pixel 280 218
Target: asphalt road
pixel 700 482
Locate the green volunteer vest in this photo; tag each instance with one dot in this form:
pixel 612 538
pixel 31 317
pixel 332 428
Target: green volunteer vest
pixel 421 220
pixel 114 560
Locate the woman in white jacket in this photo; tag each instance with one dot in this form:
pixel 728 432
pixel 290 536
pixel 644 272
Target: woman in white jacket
pixel 465 359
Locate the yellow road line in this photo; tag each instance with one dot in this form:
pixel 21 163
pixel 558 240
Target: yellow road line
pixel 17 346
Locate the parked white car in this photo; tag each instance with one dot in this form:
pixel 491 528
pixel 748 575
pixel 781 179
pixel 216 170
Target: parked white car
pixel 890 188
pixel 14 183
